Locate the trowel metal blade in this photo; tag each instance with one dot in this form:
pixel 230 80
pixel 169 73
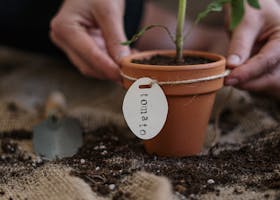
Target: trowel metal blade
pixel 57 138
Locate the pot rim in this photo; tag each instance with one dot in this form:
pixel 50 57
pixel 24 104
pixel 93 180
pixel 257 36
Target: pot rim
pixel 217 60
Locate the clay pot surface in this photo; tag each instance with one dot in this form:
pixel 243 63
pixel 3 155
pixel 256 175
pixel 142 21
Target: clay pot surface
pixel 190 105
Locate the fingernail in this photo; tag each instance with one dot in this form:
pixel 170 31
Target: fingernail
pixel 234 60
pixel 122 54
pixel 231 81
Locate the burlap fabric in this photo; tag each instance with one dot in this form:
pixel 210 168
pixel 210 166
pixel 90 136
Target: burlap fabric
pixel 29 85
pixel 49 182
pixel 27 80
pixel 54 182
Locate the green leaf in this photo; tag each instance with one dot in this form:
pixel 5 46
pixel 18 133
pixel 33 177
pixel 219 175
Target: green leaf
pixel 237 13
pixel 215 6
pixel 254 4
pixel 143 31
pixel 237 10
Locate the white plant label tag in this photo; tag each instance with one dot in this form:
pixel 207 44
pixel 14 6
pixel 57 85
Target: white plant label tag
pixel 145 108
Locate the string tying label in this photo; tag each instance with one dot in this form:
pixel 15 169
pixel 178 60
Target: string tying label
pixel 145 106
pixel 181 82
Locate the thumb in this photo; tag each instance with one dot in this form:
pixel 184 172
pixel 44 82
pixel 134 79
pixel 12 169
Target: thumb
pixel 113 33
pixel 241 44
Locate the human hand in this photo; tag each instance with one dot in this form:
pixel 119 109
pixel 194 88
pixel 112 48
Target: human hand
pixel 254 53
pixel 90 32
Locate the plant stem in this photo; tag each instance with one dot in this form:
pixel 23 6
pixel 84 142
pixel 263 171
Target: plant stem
pixel 180 30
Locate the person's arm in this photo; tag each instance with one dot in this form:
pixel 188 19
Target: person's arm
pixel 90 32
pixel 254 53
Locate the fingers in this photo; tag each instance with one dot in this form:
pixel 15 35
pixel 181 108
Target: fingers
pixel 263 64
pixel 83 67
pixel 111 24
pixel 261 73
pixel 242 42
pixel 268 84
pixel 83 51
pixel 259 84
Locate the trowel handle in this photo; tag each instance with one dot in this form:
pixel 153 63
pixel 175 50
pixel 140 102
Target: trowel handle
pixel 55 105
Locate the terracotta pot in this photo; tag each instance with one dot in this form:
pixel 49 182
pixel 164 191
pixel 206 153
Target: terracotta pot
pixel 190 105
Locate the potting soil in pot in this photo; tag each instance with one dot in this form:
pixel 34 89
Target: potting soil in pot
pixel 167 60
pixel 245 164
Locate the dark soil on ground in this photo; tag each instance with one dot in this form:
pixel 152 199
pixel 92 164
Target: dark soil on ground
pixel 107 157
pixel 14 162
pixel 115 158
pixel 170 61
pixel 16 135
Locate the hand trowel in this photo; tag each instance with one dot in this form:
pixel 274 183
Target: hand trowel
pixel 57 136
